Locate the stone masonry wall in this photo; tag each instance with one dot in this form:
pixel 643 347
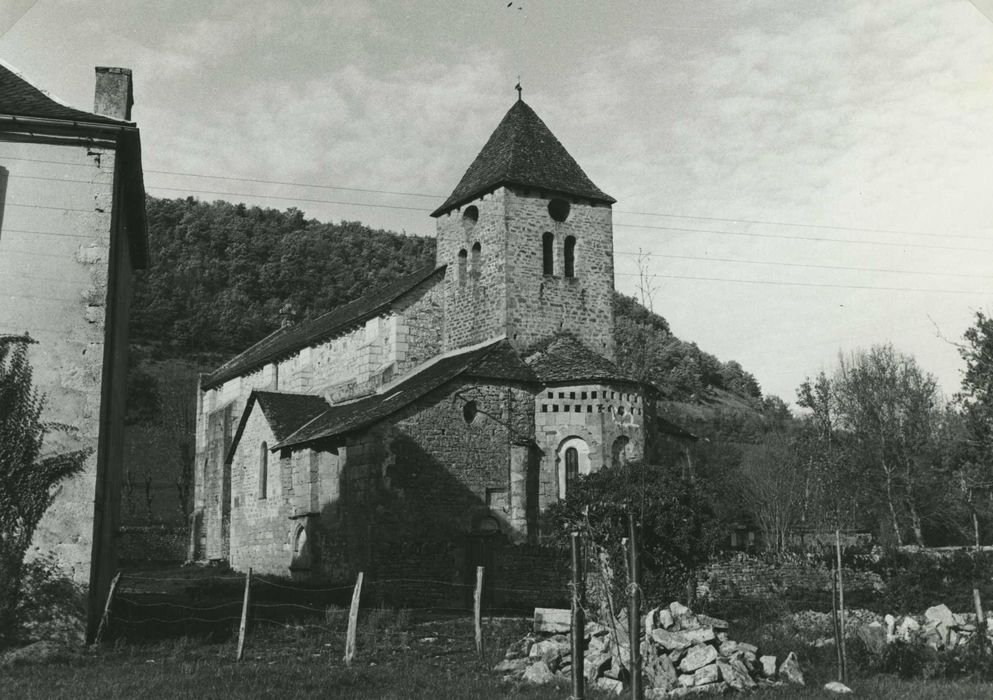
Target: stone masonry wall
pixel 475 286
pixel 352 363
pixel 260 525
pixel 540 305
pixel 744 576
pixel 506 292
pixel 602 416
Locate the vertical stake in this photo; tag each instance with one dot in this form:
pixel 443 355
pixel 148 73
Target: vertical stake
pixel 578 621
pixel 243 628
pixel 841 606
pixel 834 620
pixel 105 619
pixel 477 610
pixel 353 621
pixel 634 613
pixel 980 618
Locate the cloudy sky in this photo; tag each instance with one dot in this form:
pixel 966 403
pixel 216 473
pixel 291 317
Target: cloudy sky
pixel 809 177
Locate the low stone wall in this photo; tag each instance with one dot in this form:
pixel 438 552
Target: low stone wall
pixel 745 576
pixel 152 543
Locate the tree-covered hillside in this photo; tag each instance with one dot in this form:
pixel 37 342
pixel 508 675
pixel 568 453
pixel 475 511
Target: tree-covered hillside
pixel 222 273
pixel 222 276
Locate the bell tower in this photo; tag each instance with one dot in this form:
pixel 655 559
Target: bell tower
pixel 528 240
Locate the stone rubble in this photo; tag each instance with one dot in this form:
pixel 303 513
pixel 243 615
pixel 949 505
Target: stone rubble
pixel 683 654
pixel 938 627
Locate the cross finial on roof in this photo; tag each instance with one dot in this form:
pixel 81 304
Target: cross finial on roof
pixel 519 88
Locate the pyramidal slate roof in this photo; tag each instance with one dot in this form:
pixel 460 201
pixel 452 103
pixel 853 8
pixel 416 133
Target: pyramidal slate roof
pixel 564 358
pixel 20 98
pixel 523 151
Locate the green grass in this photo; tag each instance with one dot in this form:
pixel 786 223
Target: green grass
pixel 394 661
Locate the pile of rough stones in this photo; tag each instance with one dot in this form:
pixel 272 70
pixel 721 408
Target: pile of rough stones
pixel 682 654
pixel 938 627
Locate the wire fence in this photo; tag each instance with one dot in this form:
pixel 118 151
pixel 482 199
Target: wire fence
pixel 233 606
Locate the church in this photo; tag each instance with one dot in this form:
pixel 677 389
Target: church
pixel 424 428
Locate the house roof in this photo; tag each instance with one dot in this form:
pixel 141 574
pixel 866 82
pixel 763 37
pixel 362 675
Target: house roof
pixel 523 151
pixel 494 360
pixel 564 358
pixel 20 98
pixel 300 335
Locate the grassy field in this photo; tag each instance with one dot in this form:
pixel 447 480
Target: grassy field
pixel 397 658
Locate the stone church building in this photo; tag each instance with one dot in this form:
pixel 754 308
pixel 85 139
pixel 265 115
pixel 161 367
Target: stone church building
pixel 424 428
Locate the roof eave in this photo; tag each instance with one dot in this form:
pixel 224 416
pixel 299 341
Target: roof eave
pixel 480 191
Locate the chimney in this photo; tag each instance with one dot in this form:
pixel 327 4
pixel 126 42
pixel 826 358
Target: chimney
pixel 114 95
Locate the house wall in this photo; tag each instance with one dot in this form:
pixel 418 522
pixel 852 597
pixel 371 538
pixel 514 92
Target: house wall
pixel 55 249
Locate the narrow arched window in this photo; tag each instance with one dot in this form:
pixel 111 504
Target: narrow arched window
pixel 569 257
pixel 548 253
pixel 476 251
pixel 263 470
pixel 571 468
pixel 463 257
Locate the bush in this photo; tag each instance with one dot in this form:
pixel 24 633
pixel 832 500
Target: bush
pixel 678 529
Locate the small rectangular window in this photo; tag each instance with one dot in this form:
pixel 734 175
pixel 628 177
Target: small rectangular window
pixel 555 408
pixel 593 395
pixel 583 395
pixel 578 408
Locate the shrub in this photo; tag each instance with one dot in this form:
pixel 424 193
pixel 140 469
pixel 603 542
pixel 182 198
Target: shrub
pixel 678 529
pixel 27 474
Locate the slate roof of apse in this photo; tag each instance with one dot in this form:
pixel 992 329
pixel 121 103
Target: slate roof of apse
pixel 287 413
pixel 564 358
pixel 495 360
pixel 283 411
pixel 300 335
pixel 20 98
pixel 523 151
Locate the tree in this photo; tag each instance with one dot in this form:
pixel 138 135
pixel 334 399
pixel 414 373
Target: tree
pixel 975 466
pixel 772 483
pixel 27 474
pixel 679 530
pixel 879 416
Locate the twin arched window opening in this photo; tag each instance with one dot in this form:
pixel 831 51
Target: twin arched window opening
pixel 548 255
pixel 469 267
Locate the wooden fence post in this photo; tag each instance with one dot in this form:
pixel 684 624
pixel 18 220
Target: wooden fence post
pixel 634 613
pixel 477 610
pixel 578 621
pixel 243 627
pixel 841 607
pixel 353 621
pixel 105 619
pixel 980 618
